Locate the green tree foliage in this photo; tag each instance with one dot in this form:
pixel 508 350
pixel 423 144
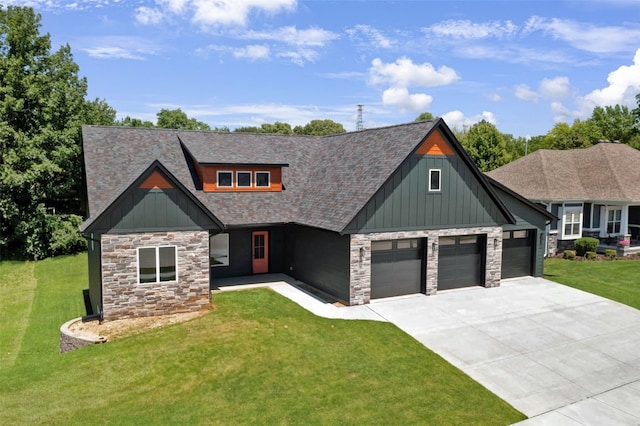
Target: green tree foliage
pixel 424 116
pixel 486 146
pixel 278 128
pixel 319 128
pixel 615 123
pixel 42 108
pixel 134 122
pixel 581 134
pixel 177 119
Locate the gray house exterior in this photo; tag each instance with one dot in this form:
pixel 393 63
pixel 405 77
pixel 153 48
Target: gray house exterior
pixel 362 215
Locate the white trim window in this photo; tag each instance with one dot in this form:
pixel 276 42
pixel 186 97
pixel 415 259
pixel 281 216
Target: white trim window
pixel 157 264
pixel 219 250
pixel 571 221
pixel 614 220
pixel 263 179
pixel 243 179
pixel 435 180
pixel 224 179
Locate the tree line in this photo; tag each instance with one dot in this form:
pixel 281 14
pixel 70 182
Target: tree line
pixel 43 104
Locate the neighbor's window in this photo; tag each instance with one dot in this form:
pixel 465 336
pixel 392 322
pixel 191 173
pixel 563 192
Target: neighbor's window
pixel 219 250
pixel 225 179
pixel 243 179
pixel 263 179
pixel 157 264
pixel 572 221
pixel 614 218
pixel 434 179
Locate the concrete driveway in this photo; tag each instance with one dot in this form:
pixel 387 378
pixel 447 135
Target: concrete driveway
pixel 559 355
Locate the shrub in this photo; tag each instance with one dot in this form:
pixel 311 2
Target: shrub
pixel 610 253
pixel 586 244
pixel 591 255
pixel 569 254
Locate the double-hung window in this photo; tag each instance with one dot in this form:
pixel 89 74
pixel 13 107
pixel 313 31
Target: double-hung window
pixel 572 221
pixel 614 219
pixel 157 264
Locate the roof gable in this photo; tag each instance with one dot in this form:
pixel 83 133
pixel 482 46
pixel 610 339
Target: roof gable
pixel 434 145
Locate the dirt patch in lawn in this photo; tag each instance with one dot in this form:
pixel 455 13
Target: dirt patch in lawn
pixel 112 330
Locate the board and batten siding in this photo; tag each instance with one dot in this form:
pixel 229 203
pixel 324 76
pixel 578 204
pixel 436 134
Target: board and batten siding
pixel 142 210
pixel 319 258
pixel 404 202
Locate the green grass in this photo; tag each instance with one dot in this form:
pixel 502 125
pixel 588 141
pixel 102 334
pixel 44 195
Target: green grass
pixel 617 280
pixel 258 358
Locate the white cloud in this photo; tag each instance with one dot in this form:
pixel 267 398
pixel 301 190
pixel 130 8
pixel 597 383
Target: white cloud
pixel 369 36
pixel 234 12
pixel 253 52
pixel 465 29
pixel 587 37
pixel 399 96
pixel 525 93
pixel 112 52
pixel 624 83
pixel 557 88
pixel 119 48
pixel 312 37
pixel 148 16
pixel 404 73
pixel 457 120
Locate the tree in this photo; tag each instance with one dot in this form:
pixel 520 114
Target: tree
pixel 134 122
pixel 276 128
pixel 42 108
pixel 424 116
pixel 177 119
pixel 319 128
pixel 581 134
pixel 486 146
pixel 615 123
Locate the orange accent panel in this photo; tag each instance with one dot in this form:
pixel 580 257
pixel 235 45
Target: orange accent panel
pixel 435 145
pixel 260 252
pixel 210 177
pixel 156 181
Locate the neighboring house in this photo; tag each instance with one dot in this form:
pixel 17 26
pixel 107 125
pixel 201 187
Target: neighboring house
pixel 593 191
pixel 362 215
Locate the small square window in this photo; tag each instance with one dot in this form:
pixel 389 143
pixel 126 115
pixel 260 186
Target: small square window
pixel 225 179
pixel 263 179
pixel 434 180
pixel 243 179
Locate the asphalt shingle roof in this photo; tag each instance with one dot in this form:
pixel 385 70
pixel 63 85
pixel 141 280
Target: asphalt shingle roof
pixel 603 172
pixel 327 180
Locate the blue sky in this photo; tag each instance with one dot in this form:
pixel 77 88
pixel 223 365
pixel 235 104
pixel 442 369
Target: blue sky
pixel 522 65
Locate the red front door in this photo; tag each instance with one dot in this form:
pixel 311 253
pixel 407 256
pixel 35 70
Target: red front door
pixel 260 252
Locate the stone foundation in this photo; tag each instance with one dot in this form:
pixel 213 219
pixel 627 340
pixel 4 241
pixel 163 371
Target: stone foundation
pixel 70 341
pixel 360 258
pixel 122 295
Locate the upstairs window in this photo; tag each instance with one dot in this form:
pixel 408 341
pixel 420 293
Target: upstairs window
pixel 157 264
pixel 243 179
pixel 225 179
pixel 434 180
pixel 263 179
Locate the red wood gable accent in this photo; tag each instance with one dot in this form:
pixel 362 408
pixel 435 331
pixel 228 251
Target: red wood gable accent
pixel 156 181
pixel 209 177
pixel 435 145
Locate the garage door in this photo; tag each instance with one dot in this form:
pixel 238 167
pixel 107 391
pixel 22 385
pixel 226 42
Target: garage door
pixel 517 253
pixel 396 267
pixel 460 261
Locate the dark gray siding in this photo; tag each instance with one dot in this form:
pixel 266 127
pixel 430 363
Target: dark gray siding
pixel 240 253
pixel 404 201
pixel 153 210
pixel 527 218
pixel 95 272
pixel 319 258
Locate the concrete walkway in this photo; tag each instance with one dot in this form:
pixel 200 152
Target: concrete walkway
pixel 559 355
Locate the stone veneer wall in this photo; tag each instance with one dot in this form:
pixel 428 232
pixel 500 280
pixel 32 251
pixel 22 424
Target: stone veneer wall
pixel 360 273
pixel 122 295
pixel 552 244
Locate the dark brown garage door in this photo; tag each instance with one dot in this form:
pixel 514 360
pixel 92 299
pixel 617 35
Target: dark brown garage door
pixel 461 261
pixel 517 253
pixel 396 267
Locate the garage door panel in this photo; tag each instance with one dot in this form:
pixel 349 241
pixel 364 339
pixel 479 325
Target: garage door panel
pixel 396 268
pixel 460 261
pixel 517 253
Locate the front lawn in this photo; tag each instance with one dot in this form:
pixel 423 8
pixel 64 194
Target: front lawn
pixel 257 358
pixel 617 280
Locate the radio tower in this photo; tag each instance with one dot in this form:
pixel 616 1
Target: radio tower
pixel 359 125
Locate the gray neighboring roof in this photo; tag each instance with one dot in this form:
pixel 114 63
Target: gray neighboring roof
pixel 327 181
pixel 603 172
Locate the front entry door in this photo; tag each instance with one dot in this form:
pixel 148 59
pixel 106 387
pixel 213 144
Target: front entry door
pixel 260 252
